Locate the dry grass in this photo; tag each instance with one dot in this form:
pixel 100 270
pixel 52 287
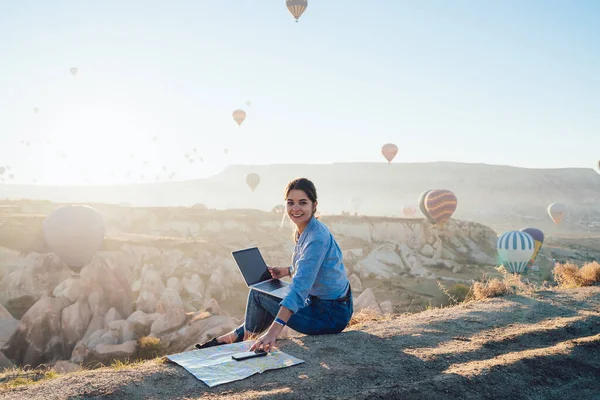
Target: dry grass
pixel 488 288
pixel 149 348
pixel 13 377
pixel 365 315
pixel 569 275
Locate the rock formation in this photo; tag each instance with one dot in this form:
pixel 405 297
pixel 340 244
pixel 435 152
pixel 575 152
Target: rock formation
pixel 168 274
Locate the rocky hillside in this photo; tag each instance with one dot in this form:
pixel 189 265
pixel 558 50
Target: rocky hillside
pixel 501 197
pixel 161 270
pixel 168 273
pixel 544 345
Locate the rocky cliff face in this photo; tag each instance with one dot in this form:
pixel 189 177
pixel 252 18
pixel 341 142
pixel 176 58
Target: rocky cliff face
pixel 168 273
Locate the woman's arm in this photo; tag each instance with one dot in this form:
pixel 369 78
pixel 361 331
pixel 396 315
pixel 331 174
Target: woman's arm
pixel 268 340
pixel 308 266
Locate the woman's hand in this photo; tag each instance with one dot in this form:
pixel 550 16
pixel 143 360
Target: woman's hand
pixel 266 342
pixel 279 272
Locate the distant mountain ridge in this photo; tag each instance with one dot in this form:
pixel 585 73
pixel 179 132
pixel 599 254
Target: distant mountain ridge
pixel 502 197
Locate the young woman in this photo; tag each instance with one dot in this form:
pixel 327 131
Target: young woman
pixel 320 298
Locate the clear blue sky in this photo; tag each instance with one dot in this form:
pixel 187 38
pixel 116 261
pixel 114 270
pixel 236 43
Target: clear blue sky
pixel 502 82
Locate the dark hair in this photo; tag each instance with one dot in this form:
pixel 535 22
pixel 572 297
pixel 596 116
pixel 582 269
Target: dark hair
pixel 302 184
pixel 307 187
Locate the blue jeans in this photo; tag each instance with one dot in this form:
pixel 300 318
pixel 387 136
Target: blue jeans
pixel 317 318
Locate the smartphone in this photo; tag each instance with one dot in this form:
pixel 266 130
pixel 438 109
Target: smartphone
pixel 249 354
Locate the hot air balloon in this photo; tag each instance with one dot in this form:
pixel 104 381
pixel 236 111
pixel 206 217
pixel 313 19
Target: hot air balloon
pixel 515 250
pixel 2 170
pixel 538 238
pixel 440 205
pixel 11 176
pixel 389 151
pixel 239 116
pixel 73 71
pixel 409 211
pixel 557 211
pixel 225 151
pixel 422 207
pixel 252 180
pixel 75 234
pixel 296 7
pixel 36 109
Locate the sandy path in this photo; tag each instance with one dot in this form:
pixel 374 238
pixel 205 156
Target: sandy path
pixel 542 346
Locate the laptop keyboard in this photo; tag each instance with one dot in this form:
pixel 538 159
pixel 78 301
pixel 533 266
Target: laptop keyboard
pixel 271 285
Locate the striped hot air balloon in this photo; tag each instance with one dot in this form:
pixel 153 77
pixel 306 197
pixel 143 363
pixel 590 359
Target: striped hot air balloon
pixel 252 180
pixel 557 211
pixel 515 250
pixel 421 203
pixel 296 7
pixel 440 205
pixel 389 151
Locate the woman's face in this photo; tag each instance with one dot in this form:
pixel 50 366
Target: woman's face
pixel 299 207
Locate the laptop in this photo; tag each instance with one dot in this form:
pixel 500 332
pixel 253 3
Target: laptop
pixel 257 275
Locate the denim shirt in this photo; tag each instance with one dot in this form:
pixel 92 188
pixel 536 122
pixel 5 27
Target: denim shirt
pixel 317 268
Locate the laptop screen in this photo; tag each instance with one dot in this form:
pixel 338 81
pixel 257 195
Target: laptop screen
pixel 252 265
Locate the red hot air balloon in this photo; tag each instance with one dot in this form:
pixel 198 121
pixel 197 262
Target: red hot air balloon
pixel 389 151
pixel 440 205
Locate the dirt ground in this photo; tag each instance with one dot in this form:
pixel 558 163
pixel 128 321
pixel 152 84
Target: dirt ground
pixel 545 345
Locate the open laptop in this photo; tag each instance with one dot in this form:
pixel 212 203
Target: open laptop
pixel 257 275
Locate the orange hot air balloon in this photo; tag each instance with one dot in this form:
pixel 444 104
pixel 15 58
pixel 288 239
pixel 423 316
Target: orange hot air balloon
pixel 440 205
pixel 557 211
pixel 296 7
pixel 389 151
pixel 252 180
pixel 239 116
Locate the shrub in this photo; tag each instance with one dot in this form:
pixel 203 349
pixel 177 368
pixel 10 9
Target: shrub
pixel 490 288
pixel 460 292
pixel 569 275
pixel 149 347
pixel 590 273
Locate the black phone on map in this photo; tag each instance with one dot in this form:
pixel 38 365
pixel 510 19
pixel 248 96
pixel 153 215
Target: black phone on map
pixel 248 354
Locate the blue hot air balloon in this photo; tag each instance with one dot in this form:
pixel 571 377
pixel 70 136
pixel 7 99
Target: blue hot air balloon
pixel 515 250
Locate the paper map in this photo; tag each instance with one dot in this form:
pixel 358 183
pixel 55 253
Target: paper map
pixel 214 365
